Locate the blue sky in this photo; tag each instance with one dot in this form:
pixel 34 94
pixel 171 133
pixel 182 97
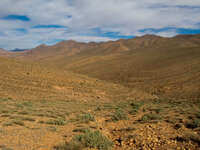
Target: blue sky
pixel 16 17
pixel 29 23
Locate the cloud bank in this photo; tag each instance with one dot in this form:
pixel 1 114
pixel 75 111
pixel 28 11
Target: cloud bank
pixel 28 23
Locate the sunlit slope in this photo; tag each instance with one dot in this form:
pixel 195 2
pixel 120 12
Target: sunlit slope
pixel 33 81
pixel 157 65
pixel 170 67
pixel 158 71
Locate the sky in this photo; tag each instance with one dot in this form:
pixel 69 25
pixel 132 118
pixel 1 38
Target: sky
pixel 29 23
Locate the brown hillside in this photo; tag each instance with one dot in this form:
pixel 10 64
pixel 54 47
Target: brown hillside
pixel 155 64
pixel 44 52
pixel 166 66
pixel 32 81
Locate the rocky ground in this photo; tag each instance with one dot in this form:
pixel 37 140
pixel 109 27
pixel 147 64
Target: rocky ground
pixel 68 124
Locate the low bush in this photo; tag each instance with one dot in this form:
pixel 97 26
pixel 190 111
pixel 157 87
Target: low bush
pixel 18 122
pixel 58 122
pixel 90 139
pixel 193 124
pixel 87 118
pixel 149 117
pixel 94 139
pixel 81 130
pixel 70 146
pixel 119 115
pixel 135 107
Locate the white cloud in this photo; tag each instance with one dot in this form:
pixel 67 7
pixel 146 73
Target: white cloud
pixel 127 17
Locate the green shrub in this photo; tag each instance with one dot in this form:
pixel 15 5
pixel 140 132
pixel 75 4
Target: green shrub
pixel 70 146
pixel 119 115
pixel 5 115
pixel 60 147
pixel 157 110
pixel 149 117
pixel 18 122
pixel 20 106
pixel 59 122
pixel 52 128
pixel 4 99
pixel 8 124
pixel 94 139
pixel 98 108
pixel 194 137
pixel 135 107
pixel 197 114
pixel 193 124
pixel 28 119
pixel 23 113
pixel 5 111
pixel 190 136
pixel 90 139
pixel 82 130
pixel 28 104
pixel 123 105
pixel 87 118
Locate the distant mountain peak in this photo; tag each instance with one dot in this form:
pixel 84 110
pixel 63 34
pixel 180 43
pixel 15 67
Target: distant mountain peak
pixel 3 50
pixel 18 50
pixel 42 45
pixel 149 36
pixel 71 41
pixel 68 42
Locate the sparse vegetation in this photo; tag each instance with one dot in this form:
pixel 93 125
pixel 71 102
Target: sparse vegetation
pixel 135 107
pixel 18 122
pixel 59 122
pixel 189 136
pixel 197 115
pixel 4 99
pixel 150 117
pixel 28 119
pixel 5 115
pixel 193 124
pixel 94 139
pixel 157 110
pixel 7 124
pixel 193 137
pixel 90 139
pixel 119 115
pixel 27 104
pixel 81 130
pixel 69 146
pixel 23 113
pixel 52 128
pixel 98 108
pixel 87 118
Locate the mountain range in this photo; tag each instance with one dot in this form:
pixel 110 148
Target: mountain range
pixel 153 64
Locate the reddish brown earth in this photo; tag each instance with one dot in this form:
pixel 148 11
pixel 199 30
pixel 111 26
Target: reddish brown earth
pixel 150 83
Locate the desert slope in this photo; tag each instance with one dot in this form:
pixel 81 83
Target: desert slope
pixel 163 66
pixel 140 93
pixel 157 65
pixel 21 80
